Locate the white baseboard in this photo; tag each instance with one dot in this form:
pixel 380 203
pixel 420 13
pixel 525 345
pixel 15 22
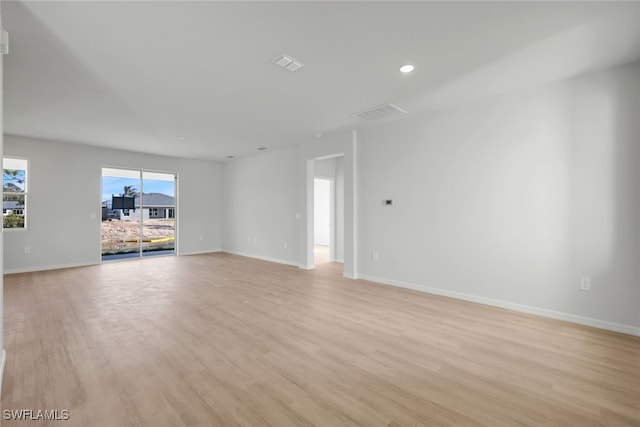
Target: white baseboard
pixel 581 320
pixel 263 258
pixel 47 267
pixel 2 363
pixel 207 251
pixel 351 276
pixel 84 264
pixel 340 260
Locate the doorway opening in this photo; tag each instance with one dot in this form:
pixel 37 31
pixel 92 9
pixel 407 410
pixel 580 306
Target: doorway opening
pixel 138 214
pixel 323 213
pixel 328 210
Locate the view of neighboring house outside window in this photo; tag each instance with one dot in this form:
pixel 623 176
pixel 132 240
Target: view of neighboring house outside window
pixel 14 193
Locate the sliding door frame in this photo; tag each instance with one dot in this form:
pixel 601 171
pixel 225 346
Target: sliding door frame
pixel 176 210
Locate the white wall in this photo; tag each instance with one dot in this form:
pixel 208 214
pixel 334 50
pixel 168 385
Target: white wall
pixel 507 201
pixel 260 199
pixel 511 200
pixel 268 202
pixel 64 193
pixel 322 205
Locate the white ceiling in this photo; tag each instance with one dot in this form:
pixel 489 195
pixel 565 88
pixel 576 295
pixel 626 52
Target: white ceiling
pixel 139 75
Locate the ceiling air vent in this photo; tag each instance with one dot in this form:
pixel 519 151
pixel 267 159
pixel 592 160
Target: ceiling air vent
pixel 288 63
pixel 379 112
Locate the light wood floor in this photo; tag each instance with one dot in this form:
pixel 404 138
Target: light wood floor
pixel 321 254
pixel 221 340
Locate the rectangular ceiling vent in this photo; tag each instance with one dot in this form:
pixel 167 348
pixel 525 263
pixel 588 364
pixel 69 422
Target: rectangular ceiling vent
pixel 379 112
pixel 288 63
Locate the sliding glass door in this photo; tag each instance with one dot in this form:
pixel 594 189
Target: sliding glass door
pixel 138 213
pixel 158 202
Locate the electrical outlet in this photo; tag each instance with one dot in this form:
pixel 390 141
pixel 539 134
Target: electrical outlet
pixel 374 256
pixel 585 283
pixel 27 249
pixel 285 245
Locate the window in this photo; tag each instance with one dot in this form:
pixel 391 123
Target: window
pixel 153 212
pixel 14 193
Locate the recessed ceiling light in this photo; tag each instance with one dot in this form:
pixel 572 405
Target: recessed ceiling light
pixel 262 148
pixel 181 138
pixel 230 157
pixel 407 68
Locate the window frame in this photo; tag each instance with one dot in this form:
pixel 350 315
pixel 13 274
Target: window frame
pixel 24 193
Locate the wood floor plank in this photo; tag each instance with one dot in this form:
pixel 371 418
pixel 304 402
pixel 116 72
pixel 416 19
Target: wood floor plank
pixel 223 340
